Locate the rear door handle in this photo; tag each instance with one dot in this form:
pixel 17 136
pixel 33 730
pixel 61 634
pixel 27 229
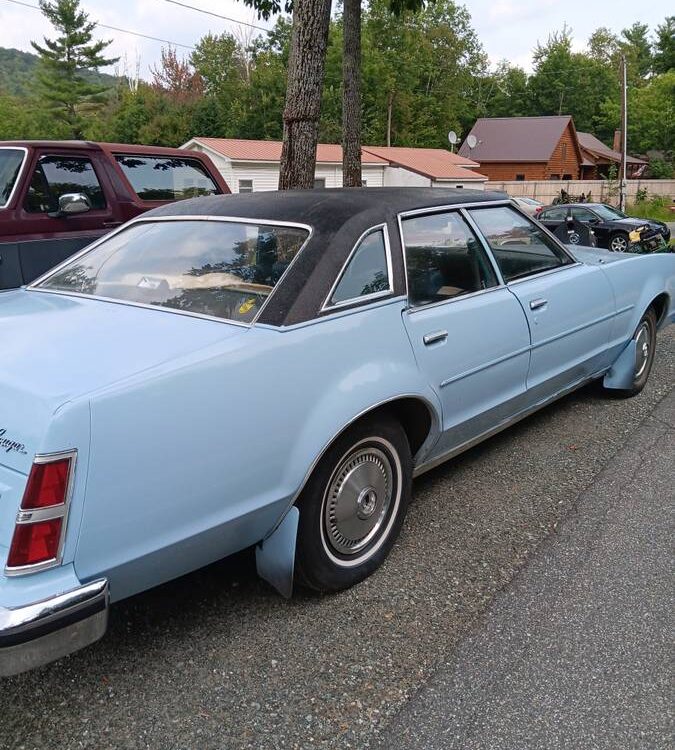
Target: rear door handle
pixel 435 337
pixel 536 304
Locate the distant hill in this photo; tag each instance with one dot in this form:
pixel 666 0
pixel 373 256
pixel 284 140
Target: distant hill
pixel 17 72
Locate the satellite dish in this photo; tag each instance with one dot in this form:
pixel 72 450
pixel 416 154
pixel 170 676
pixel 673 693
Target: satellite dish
pixel 452 137
pixel 472 141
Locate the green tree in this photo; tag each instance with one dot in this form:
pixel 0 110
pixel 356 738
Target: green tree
pixel 63 88
pixel 635 45
pixel 664 46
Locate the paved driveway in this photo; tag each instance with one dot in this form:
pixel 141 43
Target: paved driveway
pixel 217 660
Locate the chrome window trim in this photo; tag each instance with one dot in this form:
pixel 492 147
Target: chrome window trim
pixel 19 174
pixel 144 306
pixel 547 272
pixel 363 297
pixel 486 245
pixel 24 517
pixel 459 208
pixel 33 286
pixel 411 310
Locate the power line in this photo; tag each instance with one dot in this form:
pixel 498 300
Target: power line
pixel 216 15
pixel 115 28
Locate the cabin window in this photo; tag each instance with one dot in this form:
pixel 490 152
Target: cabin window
pixel 320 183
pixel 245 186
pixel 520 178
pixel 564 152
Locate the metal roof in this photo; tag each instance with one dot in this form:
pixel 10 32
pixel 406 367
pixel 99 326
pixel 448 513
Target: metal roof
pixel 519 139
pixel 596 147
pixel 436 163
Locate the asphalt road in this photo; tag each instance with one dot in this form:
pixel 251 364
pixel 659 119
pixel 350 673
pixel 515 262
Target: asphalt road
pixel 217 660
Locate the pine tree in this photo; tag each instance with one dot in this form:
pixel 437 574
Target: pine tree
pixel 63 84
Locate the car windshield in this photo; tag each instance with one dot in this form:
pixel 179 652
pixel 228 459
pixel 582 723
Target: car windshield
pixel 224 269
pixel 608 213
pixel 11 160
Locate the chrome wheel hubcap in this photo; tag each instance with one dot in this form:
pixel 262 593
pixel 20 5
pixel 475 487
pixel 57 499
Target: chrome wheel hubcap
pixel 357 500
pixel 642 349
pixel 619 244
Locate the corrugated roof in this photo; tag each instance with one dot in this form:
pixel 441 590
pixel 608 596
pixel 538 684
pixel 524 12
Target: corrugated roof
pixel 270 151
pixel 589 142
pixel 515 138
pixel 436 163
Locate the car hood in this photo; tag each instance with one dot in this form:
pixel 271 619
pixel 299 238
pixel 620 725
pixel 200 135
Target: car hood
pixel 632 222
pixel 56 348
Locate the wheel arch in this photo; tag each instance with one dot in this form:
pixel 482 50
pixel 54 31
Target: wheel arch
pixel 661 304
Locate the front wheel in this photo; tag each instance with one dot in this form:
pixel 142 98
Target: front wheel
pixel 618 242
pixel 353 505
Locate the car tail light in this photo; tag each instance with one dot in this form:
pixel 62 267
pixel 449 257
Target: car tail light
pixel 41 521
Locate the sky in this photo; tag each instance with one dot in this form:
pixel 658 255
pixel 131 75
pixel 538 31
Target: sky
pixel 508 29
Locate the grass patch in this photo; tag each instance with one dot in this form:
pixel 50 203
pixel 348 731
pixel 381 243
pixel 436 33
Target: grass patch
pixel 657 207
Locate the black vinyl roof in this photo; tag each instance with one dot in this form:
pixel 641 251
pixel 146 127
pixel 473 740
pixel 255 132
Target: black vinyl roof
pixel 318 207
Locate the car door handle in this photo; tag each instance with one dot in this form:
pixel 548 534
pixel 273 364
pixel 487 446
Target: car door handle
pixel 435 337
pixel 536 304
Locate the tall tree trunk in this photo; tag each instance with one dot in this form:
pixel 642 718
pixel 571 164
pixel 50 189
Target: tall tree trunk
pixel 306 64
pixel 351 94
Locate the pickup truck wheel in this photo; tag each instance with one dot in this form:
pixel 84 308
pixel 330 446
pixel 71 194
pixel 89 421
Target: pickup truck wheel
pixel 645 348
pixel 618 242
pixel 353 505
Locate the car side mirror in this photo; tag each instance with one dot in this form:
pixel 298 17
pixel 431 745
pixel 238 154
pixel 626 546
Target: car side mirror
pixel 594 220
pixel 72 203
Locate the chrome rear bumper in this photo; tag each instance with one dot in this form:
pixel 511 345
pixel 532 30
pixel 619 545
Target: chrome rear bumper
pixel 43 631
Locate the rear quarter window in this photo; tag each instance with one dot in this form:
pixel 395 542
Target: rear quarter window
pixel 166 178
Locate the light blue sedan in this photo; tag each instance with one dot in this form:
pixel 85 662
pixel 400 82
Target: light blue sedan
pixel 273 370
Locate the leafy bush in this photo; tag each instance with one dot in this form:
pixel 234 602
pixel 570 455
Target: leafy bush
pixel 657 207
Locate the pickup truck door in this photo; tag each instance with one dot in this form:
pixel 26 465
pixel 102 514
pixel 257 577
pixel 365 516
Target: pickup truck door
pixel 467 330
pixel 52 239
pixel 569 306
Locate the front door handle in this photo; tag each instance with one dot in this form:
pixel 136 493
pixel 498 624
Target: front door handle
pixel 435 337
pixel 536 304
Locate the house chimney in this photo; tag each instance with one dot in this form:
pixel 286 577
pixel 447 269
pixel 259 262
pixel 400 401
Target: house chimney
pixel 616 146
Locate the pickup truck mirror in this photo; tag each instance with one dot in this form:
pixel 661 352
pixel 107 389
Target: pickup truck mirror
pixel 72 203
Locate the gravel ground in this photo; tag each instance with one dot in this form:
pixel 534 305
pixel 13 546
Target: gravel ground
pixel 576 651
pixel 217 660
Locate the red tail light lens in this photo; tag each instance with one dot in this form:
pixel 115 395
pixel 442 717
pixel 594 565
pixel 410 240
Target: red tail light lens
pixel 47 485
pixel 41 522
pixel 35 543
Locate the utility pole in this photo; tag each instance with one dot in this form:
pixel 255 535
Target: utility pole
pixel 624 136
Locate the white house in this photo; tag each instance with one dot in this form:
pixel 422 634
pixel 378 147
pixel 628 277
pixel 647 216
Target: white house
pixel 253 166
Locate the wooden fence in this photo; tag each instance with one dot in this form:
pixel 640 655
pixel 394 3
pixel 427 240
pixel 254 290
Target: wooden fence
pixel 600 191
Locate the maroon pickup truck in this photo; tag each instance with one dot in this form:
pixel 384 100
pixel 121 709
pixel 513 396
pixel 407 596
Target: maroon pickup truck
pixel 58 196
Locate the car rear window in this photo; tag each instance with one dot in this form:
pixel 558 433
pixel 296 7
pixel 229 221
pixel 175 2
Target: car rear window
pixel 166 178
pixel 11 160
pixel 223 269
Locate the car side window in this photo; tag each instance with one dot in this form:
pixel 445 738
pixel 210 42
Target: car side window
pixel 366 273
pixel 55 176
pixel 167 178
pixel 553 214
pixel 583 214
pixel 444 259
pixel 519 246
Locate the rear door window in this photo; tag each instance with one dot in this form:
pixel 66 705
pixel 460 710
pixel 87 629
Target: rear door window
pixel 166 178
pixel 55 176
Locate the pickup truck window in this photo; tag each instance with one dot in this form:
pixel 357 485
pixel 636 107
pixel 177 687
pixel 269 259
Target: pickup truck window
pixel 223 269
pixel 11 160
pixel 166 178
pixel 55 176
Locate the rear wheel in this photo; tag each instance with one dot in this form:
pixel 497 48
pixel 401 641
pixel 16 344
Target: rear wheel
pixel 645 348
pixel 353 506
pixel 618 242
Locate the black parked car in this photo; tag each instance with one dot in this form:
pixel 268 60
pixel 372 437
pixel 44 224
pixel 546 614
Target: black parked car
pixel 612 228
